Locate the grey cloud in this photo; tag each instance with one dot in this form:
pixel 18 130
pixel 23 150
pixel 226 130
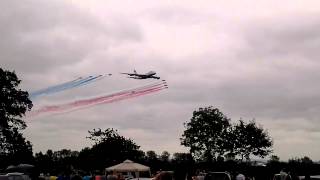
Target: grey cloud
pixel 39 36
pixel 268 71
pixel 285 36
pixel 176 15
pixel 272 84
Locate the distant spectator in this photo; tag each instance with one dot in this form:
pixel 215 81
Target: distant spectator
pixel 47 177
pixel 240 177
pixel 60 177
pixel 282 176
pixel 307 177
pixel 98 177
pixel 112 177
pixel 86 177
pixel 41 177
pixel 53 177
pixel 164 176
pixel 76 177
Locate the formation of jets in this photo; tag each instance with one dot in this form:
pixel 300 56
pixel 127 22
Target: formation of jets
pixel 135 75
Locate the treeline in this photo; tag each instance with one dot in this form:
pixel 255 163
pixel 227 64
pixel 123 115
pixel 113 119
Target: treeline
pixel 86 162
pixel 111 148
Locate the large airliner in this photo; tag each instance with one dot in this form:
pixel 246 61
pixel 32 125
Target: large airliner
pixel 135 75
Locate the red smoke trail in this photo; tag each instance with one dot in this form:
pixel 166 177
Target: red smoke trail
pixel 85 101
pixel 127 96
pixel 112 100
pixel 104 99
pixel 130 95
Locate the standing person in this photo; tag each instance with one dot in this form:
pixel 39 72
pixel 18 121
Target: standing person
pixel 307 177
pixel 112 177
pixel 284 175
pixel 164 176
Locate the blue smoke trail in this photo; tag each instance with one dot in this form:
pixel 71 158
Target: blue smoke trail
pixel 68 86
pixel 89 80
pixel 55 87
pixel 65 86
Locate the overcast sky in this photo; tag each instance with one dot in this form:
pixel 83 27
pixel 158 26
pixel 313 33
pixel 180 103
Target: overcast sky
pixel 251 59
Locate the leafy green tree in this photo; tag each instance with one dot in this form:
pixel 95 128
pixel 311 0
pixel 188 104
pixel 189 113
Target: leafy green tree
pixel 306 160
pixel 274 158
pixel 45 162
pixel 86 159
pixel 65 160
pixel 111 148
pixel 151 155
pixel 57 162
pixel 165 156
pixel 13 105
pixel 182 157
pixel 205 133
pixel 250 139
pixel 182 163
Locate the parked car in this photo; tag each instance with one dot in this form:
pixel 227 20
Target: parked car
pixel 18 176
pixel 317 177
pixel 4 177
pixel 15 176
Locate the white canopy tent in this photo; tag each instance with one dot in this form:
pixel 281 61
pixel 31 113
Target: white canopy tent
pixel 129 166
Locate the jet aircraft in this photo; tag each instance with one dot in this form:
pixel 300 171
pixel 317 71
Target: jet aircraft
pixel 135 75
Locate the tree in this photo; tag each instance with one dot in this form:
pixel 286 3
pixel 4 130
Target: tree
pixel 249 139
pixel 205 133
pixel 86 158
pixel 306 160
pixel 151 155
pixel 165 156
pixel 111 148
pixel 182 157
pixel 45 162
pixel 13 105
pixel 303 160
pixel 183 164
pixel 273 159
pixel 65 160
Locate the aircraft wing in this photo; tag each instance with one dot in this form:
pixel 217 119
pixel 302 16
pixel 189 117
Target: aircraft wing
pixel 136 77
pixel 144 77
pixel 140 76
pixel 129 74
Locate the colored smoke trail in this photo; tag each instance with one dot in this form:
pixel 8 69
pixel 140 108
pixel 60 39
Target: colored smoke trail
pixel 65 86
pixel 105 99
pixel 110 101
pixel 89 80
pixel 85 102
pixel 113 97
pixel 58 109
pixel 58 86
pixel 102 98
pixel 117 93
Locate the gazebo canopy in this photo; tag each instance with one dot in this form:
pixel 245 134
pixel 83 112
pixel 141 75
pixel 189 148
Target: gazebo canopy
pixel 23 168
pixel 128 166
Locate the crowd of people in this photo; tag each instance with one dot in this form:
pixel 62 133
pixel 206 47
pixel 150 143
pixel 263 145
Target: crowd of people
pixel 170 175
